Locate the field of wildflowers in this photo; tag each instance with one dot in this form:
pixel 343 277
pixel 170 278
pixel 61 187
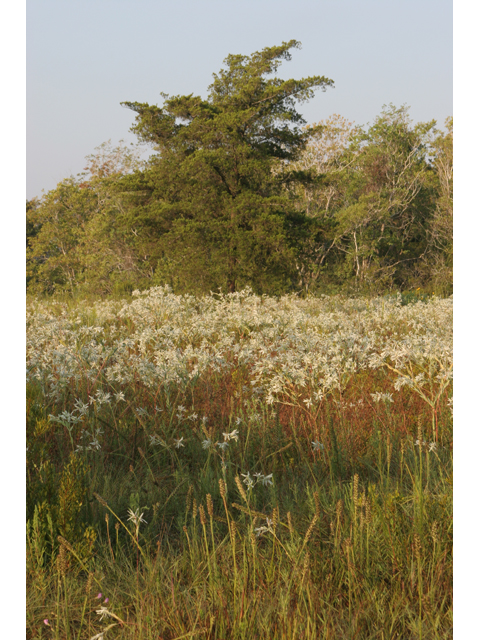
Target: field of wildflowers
pixel 237 466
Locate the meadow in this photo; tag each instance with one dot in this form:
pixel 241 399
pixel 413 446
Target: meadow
pixel 239 466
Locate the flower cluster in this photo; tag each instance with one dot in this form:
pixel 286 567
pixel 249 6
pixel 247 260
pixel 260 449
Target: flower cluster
pixel 162 341
pixel 259 477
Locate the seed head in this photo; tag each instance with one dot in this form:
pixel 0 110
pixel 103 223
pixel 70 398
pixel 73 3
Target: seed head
pixel 290 525
pixel 310 529
pixel 65 543
pixel 241 490
pixel 275 515
pixel 203 519
pixel 339 509
pixel 89 585
pixel 100 499
pixel 253 541
pixel 189 498
pixel 418 545
pixel 62 563
pixel 223 488
pixel 317 504
pixel 306 564
pixel 368 511
pixel 210 505
pixel 419 430
pixel 355 489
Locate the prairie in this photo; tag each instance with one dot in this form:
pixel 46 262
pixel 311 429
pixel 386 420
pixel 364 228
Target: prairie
pixel 239 466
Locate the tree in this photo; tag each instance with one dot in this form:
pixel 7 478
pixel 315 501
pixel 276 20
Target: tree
pixel 81 235
pixel 325 157
pixel 374 198
pixel 219 208
pixel 440 256
pixel 53 263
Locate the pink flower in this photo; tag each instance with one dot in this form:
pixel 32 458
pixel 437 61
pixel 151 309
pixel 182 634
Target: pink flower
pixel 46 622
pixel 100 595
pixel 105 601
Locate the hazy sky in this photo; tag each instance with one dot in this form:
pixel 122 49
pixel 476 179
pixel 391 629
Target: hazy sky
pixel 84 57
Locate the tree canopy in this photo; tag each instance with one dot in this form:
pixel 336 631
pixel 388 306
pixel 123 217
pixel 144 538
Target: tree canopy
pixel 226 220
pixel 240 191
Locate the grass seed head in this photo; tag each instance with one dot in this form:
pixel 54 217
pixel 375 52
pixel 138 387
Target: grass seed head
pixel 275 516
pixel 62 563
pixel 339 510
pixel 223 488
pixel 290 524
pixel 100 499
pixel 355 489
pixel 210 505
pixel 317 504
pixel 89 585
pixel 310 529
pixel 417 543
pixel 241 490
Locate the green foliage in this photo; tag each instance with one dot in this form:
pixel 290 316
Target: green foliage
pixel 224 219
pixel 376 194
pixel 238 193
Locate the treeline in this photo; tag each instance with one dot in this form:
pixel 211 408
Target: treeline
pixel 239 192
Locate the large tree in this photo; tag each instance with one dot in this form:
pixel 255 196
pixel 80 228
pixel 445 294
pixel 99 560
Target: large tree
pixel 372 201
pixel 216 204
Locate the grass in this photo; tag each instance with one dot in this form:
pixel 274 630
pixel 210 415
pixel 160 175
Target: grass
pixel 350 537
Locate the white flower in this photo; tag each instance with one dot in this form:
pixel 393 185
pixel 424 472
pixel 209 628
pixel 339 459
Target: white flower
pixel 268 529
pixel 231 436
pixel 206 444
pixel 193 417
pixel 248 480
pixel 136 519
pixel 308 402
pixel 385 397
pixel 178 443
pixel 94 445
pixel 156 440
pixel 222 445
pixel 81 407
pixel 119 397
pixel 103 612
pixel 317 445
pixel 102 397
pixel 267 480
pixel 432 446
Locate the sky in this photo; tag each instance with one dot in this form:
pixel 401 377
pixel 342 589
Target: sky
pixel 84 57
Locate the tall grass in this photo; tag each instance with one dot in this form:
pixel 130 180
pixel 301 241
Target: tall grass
pixel 291 519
